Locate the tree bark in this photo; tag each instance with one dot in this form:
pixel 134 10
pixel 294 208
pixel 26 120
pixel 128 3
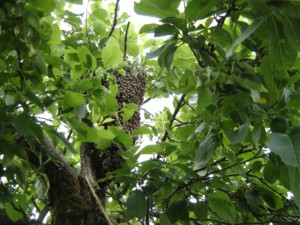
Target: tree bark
pixel 75 198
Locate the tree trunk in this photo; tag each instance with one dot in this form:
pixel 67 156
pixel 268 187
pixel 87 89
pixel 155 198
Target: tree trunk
pixel 75 198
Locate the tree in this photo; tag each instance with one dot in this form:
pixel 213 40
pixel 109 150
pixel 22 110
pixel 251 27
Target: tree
pixel 72 87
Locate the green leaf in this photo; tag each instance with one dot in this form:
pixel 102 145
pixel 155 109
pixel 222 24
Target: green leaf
pixel 110 106
pixel 112 56
pixel 47 6
pixel 55 35
pixel 73 99
pixel 13 214
pixel 178 211
pixel 142 130
pixel 218 36
pixel 286 147
pixel 281 54
pixel 86 58
pixel 294 183
pixel 33 98
pixel 76 72
pixel 204 98
pixel 199 9
pixel 240 135
pixel 129 111
pixel 136 205
pixel 58 137
pixel 291 31
pixel 205 151
pixel 79 2
pixel 246 34
pixel 279 124
pixel 187 82
pixel 271 172
pixel 148 28
pixel 175 21
pixel 201 210
pixel 151 149
pixel 40 64
pixel 166 58
pixel 28 127
pixel 257 134
pixel 273 200
pixel 157 8
pixel 222 205
pixel 165 29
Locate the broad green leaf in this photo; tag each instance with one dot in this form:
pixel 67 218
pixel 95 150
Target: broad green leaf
pixel 222 205
pixel 257 134
pixel 40 64
pixel 164 29
pixel 246 34
pixel 110 106
pixel 72 99
pixel 27 126
pixel 205 151
pixel 106 134
pixel 100 28
pixel 47 6
pixel 157 8
pixel 136 205
pixel 270 74
pixel 13 214
pixel 281 54
pixel 178 211
pixel 55 61
pixel 271 172
pixel 294 183
pixel 86 58
pixel 218 36
pixel 240 135
pixel 199 9
pixel 56 34
pixel 201 210
pixel 204 98
pixel 175 21
pixel 151 149
pixel 286 147
pixel 148 28
pixel 79 2
pixel 142 130
pixel 58 137
pixel 129 111
pixel 112 56
pixel 33 98
pixel 166 58
pixel 133 48
pixel 291 31
pixel 187 82
pixel 272 199
pixel 76 72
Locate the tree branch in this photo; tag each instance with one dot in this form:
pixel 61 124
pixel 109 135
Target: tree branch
pixel 125 41
pixel 115 20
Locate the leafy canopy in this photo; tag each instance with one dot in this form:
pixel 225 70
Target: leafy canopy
pixel 229 153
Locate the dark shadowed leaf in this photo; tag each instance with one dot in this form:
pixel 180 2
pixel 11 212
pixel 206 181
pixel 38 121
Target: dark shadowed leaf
pixel 178 211
pixel 136 205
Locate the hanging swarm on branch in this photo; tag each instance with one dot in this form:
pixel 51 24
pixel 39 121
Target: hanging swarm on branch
pixel 131 89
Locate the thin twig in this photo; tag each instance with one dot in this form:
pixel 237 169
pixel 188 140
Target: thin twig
pixel 101 207
pixel 125 41
pixel 115 20
pixel 179 105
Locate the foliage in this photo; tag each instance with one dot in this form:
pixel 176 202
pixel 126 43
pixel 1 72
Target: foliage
pixel 227 154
